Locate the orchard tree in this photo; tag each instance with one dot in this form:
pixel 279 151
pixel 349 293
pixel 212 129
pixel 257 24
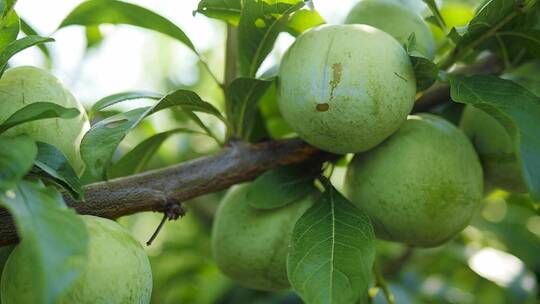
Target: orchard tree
pixel 426 108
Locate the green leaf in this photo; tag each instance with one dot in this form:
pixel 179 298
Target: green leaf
pixel 16 158
pixel 136 160
pixel 54 239
pixel 302 20
pixel 55 165
pixel 187 101
pixel 18 45
pixel 260 23
pixel 527 38
pixel 438 18
pixel 38 111
pixel 226 10
pixel 199 122
pixel 517 109
pixel 28 30
pixel 426 72
pixel 100 142
pixel 9 29
pixel 332 252
pixel 97 12
pixel 243 96
pixel 6 6
pixel 120 97
pixel 94 37
pixel 280 187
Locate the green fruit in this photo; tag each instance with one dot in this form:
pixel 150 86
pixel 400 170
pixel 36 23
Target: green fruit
pixel 495 148
pixel 249 245
pixel 421 186
pixel 395 19
pixel 117 270
pixel 345 88
pixel 22 86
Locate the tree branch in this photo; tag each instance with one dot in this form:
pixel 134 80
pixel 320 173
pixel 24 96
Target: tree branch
pixel 236 163
pixel 153 190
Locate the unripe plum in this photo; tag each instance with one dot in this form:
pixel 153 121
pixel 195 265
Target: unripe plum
pixel 345 88
pixel 395 19
pixel 249 245
pixel 24 85
pixel 117 270
pixel 421 186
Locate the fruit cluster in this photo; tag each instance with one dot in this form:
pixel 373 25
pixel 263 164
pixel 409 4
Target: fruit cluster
pixel 350 89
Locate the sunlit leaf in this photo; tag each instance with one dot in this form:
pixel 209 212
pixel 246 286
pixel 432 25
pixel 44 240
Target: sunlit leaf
pixel 96 12
pixel 18 45
pixel 120 97
pixel 225 10
pixel 302 20
pixel 9 28
pixel 260 24
pixel 38 111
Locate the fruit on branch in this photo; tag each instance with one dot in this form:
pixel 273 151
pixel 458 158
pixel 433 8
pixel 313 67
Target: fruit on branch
pixel 249 245
pixel 421 186
pixel 117 270
pixel 496 149
pixel 345 88
pixel 395 19
pixel 22 86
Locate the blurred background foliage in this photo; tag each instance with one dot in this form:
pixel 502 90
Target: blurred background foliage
pixel 495 260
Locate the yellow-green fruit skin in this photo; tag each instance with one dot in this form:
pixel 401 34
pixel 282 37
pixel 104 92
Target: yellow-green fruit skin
pixel 24 85
pixel 345 88
pixel 395 19
pixel 495 148
pixel 249 245
pixel 421 186
pixel 117 271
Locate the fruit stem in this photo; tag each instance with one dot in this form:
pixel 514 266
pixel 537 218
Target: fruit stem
pixel 381 283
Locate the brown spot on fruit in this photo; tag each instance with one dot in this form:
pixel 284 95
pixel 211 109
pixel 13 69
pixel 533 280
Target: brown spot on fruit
pixel 337 69
pixel 322 107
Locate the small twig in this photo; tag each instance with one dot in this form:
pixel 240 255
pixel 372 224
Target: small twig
pixel 173 211
pixel 457 54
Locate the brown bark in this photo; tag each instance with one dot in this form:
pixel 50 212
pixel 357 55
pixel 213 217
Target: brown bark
pixel 154 190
